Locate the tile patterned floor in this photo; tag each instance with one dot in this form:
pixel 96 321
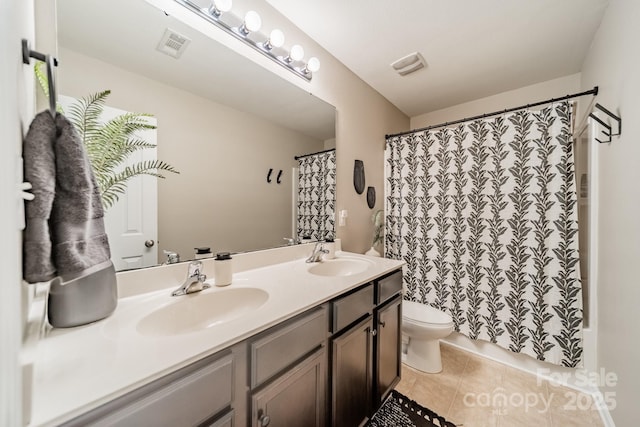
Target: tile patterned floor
pixel 472 391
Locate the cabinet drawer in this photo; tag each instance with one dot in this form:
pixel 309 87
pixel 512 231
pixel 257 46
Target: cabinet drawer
pixel 286 345
pixel 389 286
pixel 186 397
pixel 350 308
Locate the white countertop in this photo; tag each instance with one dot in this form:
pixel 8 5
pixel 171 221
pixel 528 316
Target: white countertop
pixel 81 368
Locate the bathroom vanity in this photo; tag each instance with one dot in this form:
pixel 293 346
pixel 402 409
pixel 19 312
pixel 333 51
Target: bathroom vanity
pixel 319 344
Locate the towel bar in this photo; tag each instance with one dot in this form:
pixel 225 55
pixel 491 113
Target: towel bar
pixel 51 62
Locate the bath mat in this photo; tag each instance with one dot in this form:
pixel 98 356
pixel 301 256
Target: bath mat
pixel 400 411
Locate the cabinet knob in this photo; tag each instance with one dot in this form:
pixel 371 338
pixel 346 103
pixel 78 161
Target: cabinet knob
pixel 382 323
pixel 374 332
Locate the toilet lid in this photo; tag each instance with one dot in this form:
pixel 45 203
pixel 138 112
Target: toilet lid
pixel 422 313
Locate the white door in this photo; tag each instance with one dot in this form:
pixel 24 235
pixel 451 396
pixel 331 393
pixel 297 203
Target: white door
pixel 132 223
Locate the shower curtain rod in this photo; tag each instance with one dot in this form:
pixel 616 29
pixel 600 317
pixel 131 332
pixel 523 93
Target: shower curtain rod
pixel 313 154
pixel 593 92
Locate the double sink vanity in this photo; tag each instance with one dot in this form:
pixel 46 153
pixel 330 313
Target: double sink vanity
pixel 287 343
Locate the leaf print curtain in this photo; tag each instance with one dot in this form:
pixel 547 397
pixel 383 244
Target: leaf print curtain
pixel 316 195
pixel 484 215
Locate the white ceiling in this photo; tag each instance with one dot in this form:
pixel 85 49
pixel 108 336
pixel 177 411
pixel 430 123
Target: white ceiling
pixel 473 48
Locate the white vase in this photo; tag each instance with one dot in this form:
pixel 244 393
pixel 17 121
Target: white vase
pixel 372 252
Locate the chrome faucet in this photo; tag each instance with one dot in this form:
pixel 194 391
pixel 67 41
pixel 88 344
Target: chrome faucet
pixel 291 241
pixel 172 257
pixel 194 282
pixel 318 251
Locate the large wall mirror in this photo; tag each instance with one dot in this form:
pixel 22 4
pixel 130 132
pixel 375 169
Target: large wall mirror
pixel 222 121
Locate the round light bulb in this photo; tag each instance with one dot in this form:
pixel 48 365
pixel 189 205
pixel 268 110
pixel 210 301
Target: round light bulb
pixel 252 21
pixel 276 39
pixel 223 5
pixel 297 52
pixel 313 64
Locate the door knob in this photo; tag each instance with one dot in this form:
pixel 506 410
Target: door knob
pixel 264 420
pixel 149 243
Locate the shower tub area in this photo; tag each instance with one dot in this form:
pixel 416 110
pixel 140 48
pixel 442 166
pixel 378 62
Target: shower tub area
pixel 584 150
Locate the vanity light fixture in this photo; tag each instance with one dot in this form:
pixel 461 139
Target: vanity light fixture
pixel 252 23
pixel 313 65
pixel 276 39
pixel 295 54
pixel 247 30
pixel 217 7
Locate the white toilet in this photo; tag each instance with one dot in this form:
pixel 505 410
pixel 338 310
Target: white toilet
pixel 422 328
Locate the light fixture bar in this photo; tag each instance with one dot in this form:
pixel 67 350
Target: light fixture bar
pixel 259 46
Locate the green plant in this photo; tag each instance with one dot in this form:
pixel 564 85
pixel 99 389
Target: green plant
pixel 378 227
pixel 109 144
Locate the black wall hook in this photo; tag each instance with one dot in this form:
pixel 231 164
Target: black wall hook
pixel 279 176
pixel 269 175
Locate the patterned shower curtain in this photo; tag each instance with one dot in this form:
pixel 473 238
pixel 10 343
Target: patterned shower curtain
pixel 316 196
pixel 484 214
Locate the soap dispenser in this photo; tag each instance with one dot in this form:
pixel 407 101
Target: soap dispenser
pixel 203 252
pixel 331 247
pixel 223 269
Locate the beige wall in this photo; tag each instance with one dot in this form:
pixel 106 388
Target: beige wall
pixel 514 98
pixel 613 64
pixel 221 198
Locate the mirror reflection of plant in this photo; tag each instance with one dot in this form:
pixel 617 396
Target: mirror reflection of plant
pixel 109 144
pixel 378 227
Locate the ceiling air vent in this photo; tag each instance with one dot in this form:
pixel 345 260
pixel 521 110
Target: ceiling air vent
pixel 409 64
pixel 173 43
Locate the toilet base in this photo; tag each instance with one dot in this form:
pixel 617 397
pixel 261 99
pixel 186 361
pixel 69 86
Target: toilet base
pixel 424 355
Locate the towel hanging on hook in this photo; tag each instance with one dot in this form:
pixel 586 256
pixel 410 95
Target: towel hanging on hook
pixel 51 62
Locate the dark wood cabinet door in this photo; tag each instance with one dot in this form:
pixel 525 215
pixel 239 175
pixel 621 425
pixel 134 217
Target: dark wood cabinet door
pixel 388 347
pixel 352 360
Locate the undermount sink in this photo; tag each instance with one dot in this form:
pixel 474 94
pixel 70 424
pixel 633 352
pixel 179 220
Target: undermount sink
pixel 198 311
pixel 340 267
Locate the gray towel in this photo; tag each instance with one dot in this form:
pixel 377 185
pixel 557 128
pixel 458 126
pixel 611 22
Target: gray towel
pixel 64 234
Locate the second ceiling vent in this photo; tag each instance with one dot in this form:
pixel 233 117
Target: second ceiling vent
pixel 409 64
pixel 173 43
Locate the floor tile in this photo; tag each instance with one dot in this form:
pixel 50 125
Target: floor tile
pixel 433 394
pixel 518 417
pixel 481 376
pixel 596 418
pixel 473 391
pixel 408 379
pixel 475 417
pixel 575 418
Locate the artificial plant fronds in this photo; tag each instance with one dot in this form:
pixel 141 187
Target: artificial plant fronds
pixel 113 184
pixel 110 144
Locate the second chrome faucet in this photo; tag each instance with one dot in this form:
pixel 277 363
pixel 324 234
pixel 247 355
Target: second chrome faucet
pixel 318 251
